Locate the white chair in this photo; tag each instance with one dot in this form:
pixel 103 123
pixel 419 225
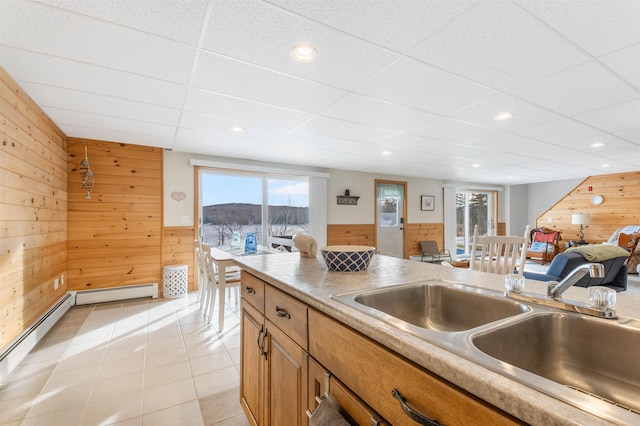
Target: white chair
pixel 232 279
pixel 499 254
pixel 202 271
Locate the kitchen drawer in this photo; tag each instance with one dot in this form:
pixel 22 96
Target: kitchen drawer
pixel 288 314
pixel 353 408
pixel 372 371
pixel 252 290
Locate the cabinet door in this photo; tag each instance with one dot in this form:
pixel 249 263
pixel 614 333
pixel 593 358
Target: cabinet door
pixel 287 372
pixel 251 362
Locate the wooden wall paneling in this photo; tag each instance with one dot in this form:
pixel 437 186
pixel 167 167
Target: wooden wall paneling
pixel 116 237
pixel 621 207
pixel 33 210
pixel 178 249
pixel 416 232
pixel 356 234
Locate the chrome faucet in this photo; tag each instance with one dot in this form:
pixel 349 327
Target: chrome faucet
pixel 555 289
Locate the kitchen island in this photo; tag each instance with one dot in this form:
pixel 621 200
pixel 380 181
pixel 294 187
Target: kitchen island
pixel 309 281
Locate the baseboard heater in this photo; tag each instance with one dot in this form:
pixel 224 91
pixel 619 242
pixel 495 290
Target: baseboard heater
pixel 20 347
pixel 114 294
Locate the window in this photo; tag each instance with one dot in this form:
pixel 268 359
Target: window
pixel 265 204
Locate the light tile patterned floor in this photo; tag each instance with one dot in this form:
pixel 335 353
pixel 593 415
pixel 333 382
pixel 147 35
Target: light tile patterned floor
pixel 146 362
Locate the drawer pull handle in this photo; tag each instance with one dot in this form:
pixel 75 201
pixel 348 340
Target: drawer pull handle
pixel 250 290
pixel 413 414
pixel 282 313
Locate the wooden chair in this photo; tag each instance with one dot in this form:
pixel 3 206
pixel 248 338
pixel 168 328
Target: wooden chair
pixel 232 279
pixel 629 242
pixel 544 245
pixel 430 250
pixel 499 254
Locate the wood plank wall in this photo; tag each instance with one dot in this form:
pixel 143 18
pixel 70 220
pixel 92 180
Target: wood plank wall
pixel 33 210
pixel 178 249
pixel 115 238
pixel 621 207
pixel 416 232
pixel 359 234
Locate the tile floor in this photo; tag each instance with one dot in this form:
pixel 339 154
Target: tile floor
pixel 146 362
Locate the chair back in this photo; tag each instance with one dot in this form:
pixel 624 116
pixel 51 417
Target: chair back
pixel 629 242
pixel 499 254
pixel 429 248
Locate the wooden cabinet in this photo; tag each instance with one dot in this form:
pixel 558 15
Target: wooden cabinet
pixel 274 366
pixel 372 372
pixel 292 355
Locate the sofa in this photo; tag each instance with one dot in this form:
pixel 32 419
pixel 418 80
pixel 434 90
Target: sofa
pixel 565 262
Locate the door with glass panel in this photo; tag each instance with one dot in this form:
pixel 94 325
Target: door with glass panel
pixel 473 208
pixel 390 209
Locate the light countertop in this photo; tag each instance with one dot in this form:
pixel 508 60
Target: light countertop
pixel 309 280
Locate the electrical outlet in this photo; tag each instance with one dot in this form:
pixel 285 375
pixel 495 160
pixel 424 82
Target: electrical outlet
pixel 56 283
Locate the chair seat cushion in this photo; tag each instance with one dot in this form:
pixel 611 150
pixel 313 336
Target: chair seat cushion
pixel 541 247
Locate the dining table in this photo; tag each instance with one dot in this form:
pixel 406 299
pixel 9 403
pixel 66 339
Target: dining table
pixel 223 257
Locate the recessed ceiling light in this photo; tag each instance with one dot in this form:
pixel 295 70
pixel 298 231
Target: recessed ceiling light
pixel 304 53
pixel 237 129
pixel 504 116
pixel 605 165
pixel 597 144
pixel 386 152
pixel 475 165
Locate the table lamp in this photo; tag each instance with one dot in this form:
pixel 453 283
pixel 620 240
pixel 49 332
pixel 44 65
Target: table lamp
pixel 581 219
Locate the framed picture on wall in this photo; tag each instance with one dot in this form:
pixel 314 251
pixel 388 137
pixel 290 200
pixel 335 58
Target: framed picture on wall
pixel 427 202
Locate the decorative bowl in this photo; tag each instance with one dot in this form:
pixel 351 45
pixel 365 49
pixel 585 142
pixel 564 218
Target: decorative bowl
pixel 347 258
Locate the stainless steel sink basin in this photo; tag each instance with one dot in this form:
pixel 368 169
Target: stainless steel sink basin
pixel 593 356
pixel 436 307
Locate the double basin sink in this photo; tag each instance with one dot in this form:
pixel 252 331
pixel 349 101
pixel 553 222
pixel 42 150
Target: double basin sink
pixel 588 362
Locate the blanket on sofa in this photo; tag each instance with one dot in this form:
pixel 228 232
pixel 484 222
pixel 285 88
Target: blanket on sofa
pixel 600 253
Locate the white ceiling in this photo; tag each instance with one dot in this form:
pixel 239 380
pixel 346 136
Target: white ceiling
pixel 419 79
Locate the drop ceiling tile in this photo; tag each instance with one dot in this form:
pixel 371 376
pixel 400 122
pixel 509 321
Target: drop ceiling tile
pixel 498 44
pixel 322 142
pixel 625 62
pixel 614 118
pixel 376 112
pixel 269 33
pixel 628 156
pixel 447 129
pixel 558 131
pixel 242 110
pixel 417 85
pixel 411 142
pixel 222 127
pixel 573 91
pixel 611 143
pixel 69 74
pixel 91 103
pixel 343 129
pixel 598 26
pixel 42 29
pixel 234 78
pixel 631 135
pixel 220 144
pixel 506 142
pixel 382 22
pixel 483 113
pixel 116 136
pixel 180 21
pixel 63 117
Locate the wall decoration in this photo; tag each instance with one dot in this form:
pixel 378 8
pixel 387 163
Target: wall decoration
pixel 178 195
pixel 427 202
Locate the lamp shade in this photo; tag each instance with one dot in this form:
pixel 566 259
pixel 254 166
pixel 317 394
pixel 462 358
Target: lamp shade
pixel 580 218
